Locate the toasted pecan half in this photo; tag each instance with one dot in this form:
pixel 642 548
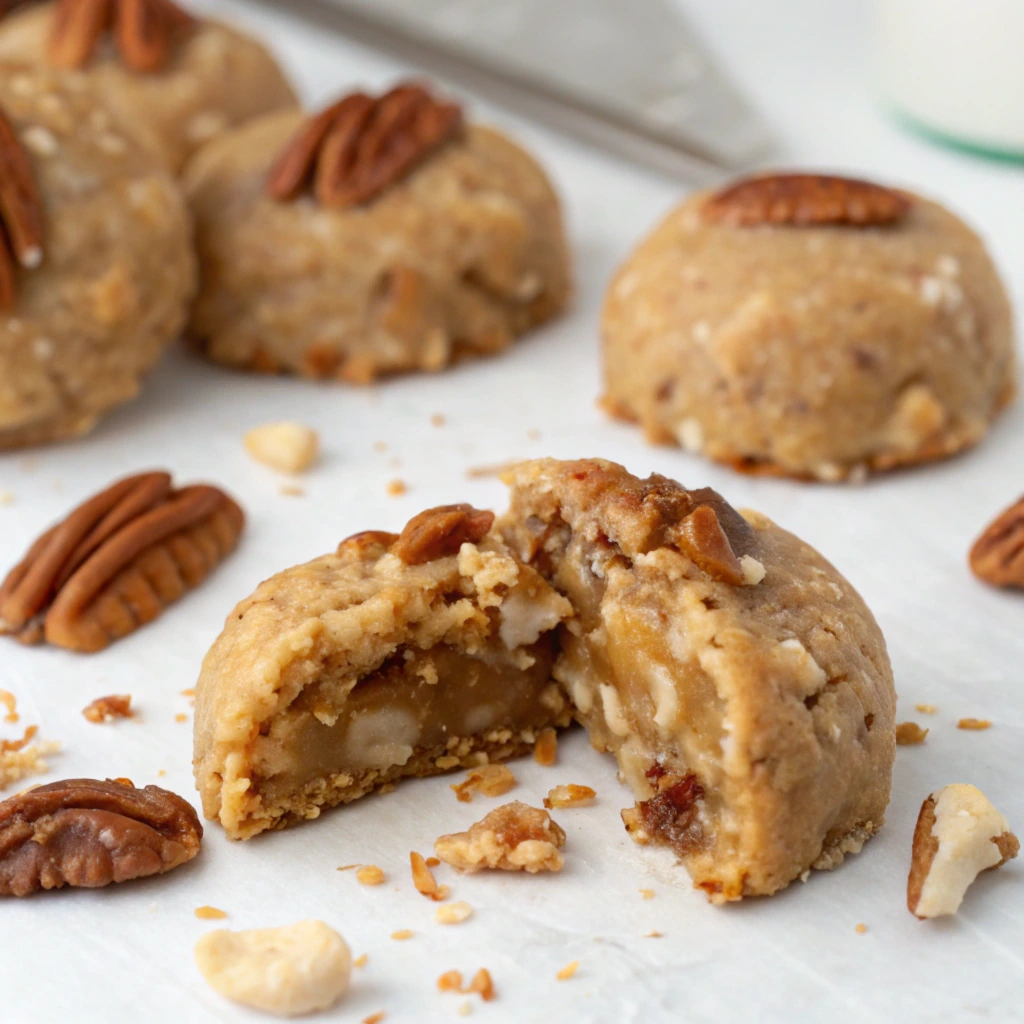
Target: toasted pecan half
pixel 356 148
pixel 21 212
pixel 145 32
pixel 805 200
pixel 117 561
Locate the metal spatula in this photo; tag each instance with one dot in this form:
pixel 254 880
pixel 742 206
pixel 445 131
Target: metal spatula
pixel 629 76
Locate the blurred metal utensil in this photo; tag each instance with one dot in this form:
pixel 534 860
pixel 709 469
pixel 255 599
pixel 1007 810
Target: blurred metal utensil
pixel 628 76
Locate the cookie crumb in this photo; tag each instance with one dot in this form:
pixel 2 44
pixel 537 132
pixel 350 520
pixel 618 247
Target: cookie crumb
pixel 653 935
pixel 424 880
pixel 438 419
pixel 288 447
pixel 207 913
pixel 925 709
pixel 488 780
pixel 648 894
pixel 545 750
pixel 450 981
pixel 360 961
pixel 861 929
pixel 453 913
pixel 465 1009
pixel 512 837
pixel 568 971
pixel 974 724
pixel 6 497
pixel 11 703
pixel 432 862
pixel 190 692
pixel 402 934
pixel 380 446
pixel 375 1018
pixel 292 491
pixel 369 874
pixel 105 709
pixel 483 985
pixel 571 795
pixel 910 734
pixel 21 758
pixel 396 488
pixel 181 717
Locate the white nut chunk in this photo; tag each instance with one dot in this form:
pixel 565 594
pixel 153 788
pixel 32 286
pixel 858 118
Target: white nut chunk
pixel 289 447
pixel 959 834
pixel 285 971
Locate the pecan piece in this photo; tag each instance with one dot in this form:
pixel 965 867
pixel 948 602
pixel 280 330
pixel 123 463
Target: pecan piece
pixel 117 561
pixel 356 148
pixel 440 532
pixel 701 538
pixel 87 833
pixel 997 556
pixel 21 212
pixel 803 200
pixel 144 31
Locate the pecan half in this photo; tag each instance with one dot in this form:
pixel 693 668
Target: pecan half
pixel 802 200
pixel 440 532
pixel 997 556
pixel 145 32
pixel 21 212
pixel 117 561
pixel 87 833
pixel 356 148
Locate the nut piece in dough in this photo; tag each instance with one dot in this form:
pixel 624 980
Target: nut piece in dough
pixel 812 327
pixel 289 447
pixel 459 256
pixel 285 971
pixel 513 837
pixel 959 834
pixel 216 77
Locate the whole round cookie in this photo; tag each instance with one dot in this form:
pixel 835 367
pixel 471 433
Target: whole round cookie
pixel 96 270
pixel 810 326
pixel 382 235
pixel 175 79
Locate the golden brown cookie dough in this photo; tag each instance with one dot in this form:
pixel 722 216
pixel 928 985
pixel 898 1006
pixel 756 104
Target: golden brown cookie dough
pixel 811 327
pixel 214 78
pixel 754 721
pixel 458 256
pixel 741 682
pixel 116 273
pixel 359 668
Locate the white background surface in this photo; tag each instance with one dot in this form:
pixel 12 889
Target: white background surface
pixel 125 953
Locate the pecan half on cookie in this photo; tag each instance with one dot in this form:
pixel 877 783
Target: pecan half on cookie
pixel 21 212
pixel 144 32
pixel 357 147
pixel 117 561
pixel 87 833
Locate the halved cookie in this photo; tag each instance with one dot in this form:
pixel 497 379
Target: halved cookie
pixel 396 656
pixel 741 682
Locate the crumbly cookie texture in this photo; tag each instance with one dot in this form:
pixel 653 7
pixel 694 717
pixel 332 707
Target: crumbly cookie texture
pixel 959 834
pixel 754 721
pixel 513 837
pixel 457 258
pixel 286 971
pixel 395 656
pixel 117 273
pixel 815 350
pixel 216 78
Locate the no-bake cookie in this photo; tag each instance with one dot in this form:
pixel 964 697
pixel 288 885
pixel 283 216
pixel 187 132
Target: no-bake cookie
pixel 740 681
pixel 174 79
pixel 100 270
pixel 395 656
pixel 810 326
pixel 381 235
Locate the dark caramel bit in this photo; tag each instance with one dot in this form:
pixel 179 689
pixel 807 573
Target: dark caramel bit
pixel 670 816
pixel 440 532
pixel 701 538
pixel 87 833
